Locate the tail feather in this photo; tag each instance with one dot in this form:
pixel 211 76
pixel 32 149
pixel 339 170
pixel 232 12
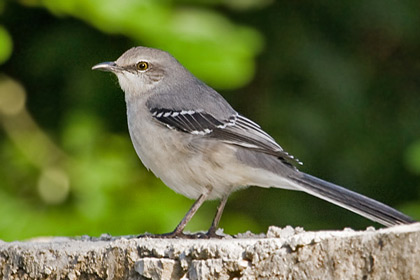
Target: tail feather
pixel 362 205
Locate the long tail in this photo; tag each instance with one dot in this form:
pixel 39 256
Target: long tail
pixel 352 201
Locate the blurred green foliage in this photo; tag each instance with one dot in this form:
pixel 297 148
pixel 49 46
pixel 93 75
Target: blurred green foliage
pixel 336 83
pixel 6 45
pixel 190 32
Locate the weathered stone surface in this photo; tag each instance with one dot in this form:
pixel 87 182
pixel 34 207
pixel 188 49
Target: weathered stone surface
pixel 392 253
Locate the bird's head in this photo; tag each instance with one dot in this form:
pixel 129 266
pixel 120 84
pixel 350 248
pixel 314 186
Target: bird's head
pixel 140 69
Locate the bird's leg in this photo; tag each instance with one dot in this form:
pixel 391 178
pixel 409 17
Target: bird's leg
pixel 214 225
pixel 178 231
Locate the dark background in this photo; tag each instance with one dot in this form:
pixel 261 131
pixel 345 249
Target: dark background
pixel 337 84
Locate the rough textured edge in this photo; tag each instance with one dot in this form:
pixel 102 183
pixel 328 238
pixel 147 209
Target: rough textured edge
pixel 392 253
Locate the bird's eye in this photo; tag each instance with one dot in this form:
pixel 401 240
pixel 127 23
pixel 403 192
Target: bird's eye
pixel 142 65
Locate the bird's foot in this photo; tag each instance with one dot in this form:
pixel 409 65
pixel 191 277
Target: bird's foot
pixel 211 234
pixel 173 235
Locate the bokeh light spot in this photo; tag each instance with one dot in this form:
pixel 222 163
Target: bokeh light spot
pixel 12 96
pixel 53 185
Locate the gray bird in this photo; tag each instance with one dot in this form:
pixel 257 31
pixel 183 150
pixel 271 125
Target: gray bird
pixel 189 136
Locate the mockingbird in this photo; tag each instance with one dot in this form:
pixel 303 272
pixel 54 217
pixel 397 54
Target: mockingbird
pixel 199 146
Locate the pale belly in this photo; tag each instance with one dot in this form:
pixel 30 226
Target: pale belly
pixel 184 166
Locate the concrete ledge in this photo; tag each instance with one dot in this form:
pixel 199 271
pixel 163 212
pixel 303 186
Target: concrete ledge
pixel 392 253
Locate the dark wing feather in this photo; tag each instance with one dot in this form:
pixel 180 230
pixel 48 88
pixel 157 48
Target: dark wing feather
pixel 236 130
pixel 248 134
pixel 195 122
